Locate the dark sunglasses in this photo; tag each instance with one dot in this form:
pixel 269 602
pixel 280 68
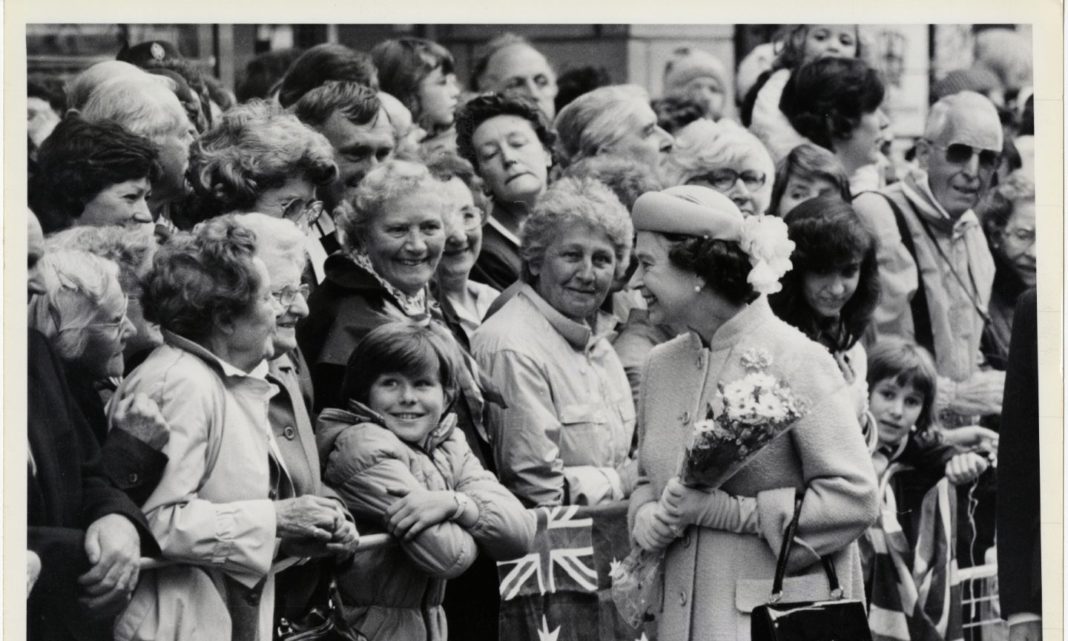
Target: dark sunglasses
pixel 960 154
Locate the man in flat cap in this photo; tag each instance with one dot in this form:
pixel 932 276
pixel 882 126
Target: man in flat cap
pixel 934 264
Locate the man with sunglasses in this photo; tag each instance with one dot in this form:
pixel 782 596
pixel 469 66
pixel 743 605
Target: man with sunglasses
pixel 934 263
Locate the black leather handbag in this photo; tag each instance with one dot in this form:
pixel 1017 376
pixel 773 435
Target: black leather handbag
pixel 836 619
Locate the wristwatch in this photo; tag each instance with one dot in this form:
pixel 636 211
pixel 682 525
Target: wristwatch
pixel 461 505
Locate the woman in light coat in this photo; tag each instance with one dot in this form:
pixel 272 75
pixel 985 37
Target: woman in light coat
pixel 222 511
pixel 722 544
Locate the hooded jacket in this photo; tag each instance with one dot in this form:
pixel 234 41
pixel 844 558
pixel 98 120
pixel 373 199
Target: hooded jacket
pixel 396 592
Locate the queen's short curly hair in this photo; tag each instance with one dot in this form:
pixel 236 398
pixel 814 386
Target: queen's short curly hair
pixel 825 99
pixel 201 276
pixel 567 202
pixel 255 147
pixel 382 186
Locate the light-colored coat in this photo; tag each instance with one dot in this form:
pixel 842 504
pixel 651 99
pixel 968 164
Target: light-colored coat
pixel 213 510
pixel 713 579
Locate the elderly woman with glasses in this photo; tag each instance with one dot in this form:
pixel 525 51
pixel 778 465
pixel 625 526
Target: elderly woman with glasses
pixel 724 156
pixel 226 504
pixel 83 314
pixel 566 433
pixel 259 158
pixel 280 245
pixel 1008 217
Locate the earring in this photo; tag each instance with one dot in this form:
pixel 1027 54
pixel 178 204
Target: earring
pixel 697 288
pixel 913 428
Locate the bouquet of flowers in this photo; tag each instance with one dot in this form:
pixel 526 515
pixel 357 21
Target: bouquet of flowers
pixel 745 416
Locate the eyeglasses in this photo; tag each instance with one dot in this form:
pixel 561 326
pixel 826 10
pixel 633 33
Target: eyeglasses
pixel 1021 234
pixel 111 326
pixel 286 296
pixel 303 214
pixel 960 154
pixel 724 179
pixel 471 218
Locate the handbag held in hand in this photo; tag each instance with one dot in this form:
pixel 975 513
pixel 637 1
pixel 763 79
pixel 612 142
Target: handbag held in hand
pixel 836 619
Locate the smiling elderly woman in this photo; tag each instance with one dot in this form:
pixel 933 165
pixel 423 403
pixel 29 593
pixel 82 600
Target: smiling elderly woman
pixel 565 436
pixel 392 235
pixel 225 497
pixel 725 157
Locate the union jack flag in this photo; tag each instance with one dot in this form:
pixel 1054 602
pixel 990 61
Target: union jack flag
pixel 561 590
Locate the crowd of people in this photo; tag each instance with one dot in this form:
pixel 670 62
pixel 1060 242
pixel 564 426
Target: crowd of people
pixel 355 298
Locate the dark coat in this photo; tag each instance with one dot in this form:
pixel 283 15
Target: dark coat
pixel 1019 543
pixel 67 491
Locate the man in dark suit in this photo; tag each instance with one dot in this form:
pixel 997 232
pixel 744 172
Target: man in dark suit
pixel 1019 533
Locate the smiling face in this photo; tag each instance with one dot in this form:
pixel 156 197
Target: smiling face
pixel 830 41
pixel 896 409
pixel 576 272
pixel 405 240
pixel 411 405
pixel 463 229
pixel 251 336
pixel 438 97
pixel 511 158
pixel 668 290
pixel 828 293
pixel 285 286
pixel 121 204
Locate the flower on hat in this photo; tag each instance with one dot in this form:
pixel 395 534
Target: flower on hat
pixel 768 245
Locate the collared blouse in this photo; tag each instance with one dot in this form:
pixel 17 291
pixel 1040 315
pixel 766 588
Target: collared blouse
pixel 569 420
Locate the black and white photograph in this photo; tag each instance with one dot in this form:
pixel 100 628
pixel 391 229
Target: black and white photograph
pixel 533 331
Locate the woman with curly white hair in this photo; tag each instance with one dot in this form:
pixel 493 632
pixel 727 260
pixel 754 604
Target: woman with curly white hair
pixel 83 315
pixel 392 236
pixel 724 156
pixel 565 436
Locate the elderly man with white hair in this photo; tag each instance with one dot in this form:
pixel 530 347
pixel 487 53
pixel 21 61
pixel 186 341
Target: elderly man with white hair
pixel 149 109
pixel 934 264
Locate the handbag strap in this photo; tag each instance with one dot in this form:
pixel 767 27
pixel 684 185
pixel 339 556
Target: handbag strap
pixel 784 554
